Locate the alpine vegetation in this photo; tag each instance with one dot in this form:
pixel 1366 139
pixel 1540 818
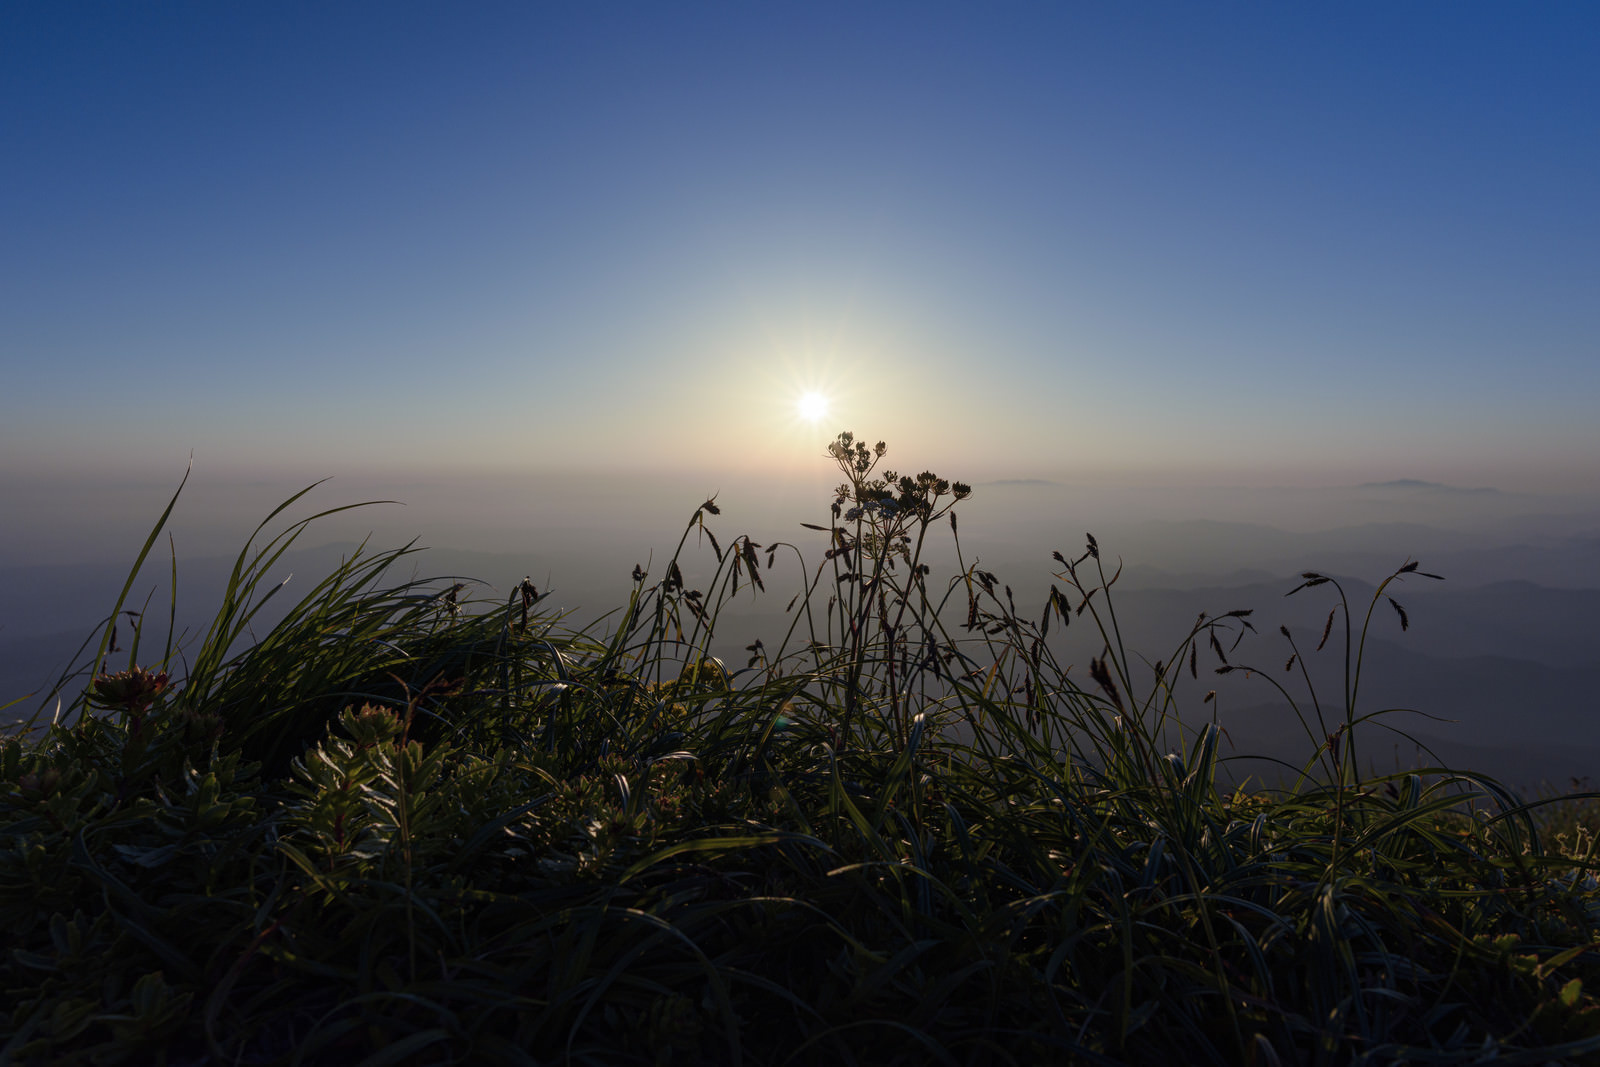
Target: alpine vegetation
pixel 415 823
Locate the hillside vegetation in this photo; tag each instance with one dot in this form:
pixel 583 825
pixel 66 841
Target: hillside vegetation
pixel 408 825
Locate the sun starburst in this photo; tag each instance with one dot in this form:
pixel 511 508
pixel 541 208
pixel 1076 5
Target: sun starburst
pixel 813 406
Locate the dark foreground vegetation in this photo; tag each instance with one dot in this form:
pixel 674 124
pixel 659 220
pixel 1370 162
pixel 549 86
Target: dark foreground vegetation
pixel 408 826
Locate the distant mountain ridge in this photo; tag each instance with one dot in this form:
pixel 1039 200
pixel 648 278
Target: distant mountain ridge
pixel 1418 483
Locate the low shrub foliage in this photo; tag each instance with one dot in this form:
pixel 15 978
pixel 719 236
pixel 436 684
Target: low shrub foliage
pixel 408 825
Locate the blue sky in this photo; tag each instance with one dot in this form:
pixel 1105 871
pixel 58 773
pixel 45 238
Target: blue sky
pixel 1261 244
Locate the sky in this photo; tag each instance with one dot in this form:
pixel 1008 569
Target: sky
pixel 1149 243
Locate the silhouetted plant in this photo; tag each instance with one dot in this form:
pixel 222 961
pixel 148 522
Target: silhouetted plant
pixel 422 826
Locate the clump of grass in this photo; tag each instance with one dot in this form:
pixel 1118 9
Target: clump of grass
pixel 415 826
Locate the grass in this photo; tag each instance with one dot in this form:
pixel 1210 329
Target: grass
pixel 406 826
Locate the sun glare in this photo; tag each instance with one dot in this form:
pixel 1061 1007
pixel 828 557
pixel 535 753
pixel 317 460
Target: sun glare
pixel 813 406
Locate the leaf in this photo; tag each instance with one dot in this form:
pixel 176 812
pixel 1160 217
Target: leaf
pixel 406 1048
pixel 142 856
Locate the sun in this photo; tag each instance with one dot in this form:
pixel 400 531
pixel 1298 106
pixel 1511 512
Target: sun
pixel 812 406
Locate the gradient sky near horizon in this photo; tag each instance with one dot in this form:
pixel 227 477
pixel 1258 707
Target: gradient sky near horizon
pixel 1281 244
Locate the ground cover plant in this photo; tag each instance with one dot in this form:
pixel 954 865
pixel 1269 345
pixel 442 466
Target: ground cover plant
pixel 412 825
